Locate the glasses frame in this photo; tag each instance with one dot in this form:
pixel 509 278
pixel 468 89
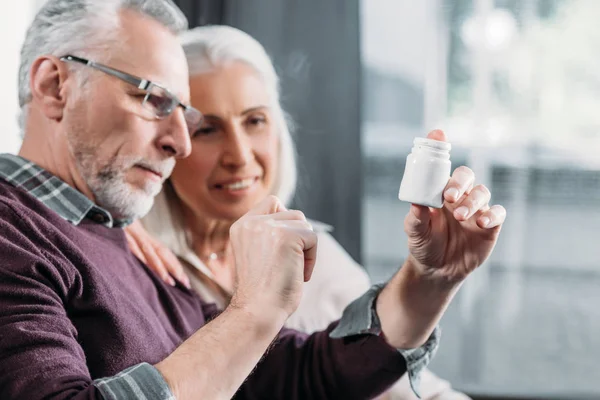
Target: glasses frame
pixel 192 115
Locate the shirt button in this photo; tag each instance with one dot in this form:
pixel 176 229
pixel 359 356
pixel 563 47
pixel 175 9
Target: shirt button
pixel 99 218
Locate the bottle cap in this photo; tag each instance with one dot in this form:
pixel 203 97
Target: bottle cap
pixel 436 144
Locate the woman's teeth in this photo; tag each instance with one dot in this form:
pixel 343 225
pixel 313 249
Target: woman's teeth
pixel 246 183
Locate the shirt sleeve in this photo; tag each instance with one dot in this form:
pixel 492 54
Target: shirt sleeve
pixel 360 317
pixel 141 382
pixel 348 360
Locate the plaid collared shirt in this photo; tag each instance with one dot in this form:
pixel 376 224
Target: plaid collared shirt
pixel 55 194
pixel 143 381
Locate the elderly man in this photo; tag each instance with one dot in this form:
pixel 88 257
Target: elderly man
pixel 103 87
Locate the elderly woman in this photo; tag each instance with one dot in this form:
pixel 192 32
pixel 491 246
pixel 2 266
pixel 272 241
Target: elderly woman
pixel 242 153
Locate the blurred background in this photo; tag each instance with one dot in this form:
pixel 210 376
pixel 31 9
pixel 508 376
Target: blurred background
pixel 516 86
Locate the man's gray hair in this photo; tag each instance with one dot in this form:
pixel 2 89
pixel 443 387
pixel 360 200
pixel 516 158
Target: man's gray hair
pixel 88 28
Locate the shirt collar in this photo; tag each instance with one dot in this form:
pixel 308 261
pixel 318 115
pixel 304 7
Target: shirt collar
pixel 66 201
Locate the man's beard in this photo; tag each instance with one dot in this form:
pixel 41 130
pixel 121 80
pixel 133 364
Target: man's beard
pixel 107 182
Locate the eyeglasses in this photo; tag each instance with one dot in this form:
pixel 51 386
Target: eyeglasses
pixel 159 100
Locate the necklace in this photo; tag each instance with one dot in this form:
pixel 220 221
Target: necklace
pixel 215 255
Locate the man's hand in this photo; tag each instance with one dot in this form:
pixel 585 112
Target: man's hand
pixel 451 242
pixel 445 246
pixel 275 252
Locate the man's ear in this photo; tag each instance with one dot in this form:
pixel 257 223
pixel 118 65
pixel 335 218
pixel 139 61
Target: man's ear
pixel 47 82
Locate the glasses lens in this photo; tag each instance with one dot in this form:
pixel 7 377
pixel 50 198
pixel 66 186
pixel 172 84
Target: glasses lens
pixel 160 102
pixel 193 118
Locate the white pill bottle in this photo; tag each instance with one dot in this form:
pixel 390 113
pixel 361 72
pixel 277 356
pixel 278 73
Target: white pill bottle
pixel 427 173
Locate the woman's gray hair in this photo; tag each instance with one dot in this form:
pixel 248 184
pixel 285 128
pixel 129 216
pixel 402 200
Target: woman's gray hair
pixel 88 28
pixel 207 48
pixel 210 47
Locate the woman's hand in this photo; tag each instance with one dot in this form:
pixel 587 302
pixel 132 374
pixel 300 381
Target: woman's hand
pixel 155 255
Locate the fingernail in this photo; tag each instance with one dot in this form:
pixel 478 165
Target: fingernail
pixel 462 211
pixel 452 193
pixel 187 284
pixel 485 221
pixel 172 282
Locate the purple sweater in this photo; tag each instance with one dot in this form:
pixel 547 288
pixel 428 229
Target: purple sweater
pixel 76 305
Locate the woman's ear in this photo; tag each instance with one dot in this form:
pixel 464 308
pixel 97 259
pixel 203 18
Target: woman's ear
pixel 47 81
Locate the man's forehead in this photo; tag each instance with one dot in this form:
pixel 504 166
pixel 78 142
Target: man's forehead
pixel 150 51
pixel 173 78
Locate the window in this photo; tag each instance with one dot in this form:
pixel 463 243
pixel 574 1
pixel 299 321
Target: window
pixel 516 86
pixel 13 25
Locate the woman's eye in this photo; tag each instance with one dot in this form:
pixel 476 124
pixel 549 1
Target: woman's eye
pixel 257 121
pixel 205 131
